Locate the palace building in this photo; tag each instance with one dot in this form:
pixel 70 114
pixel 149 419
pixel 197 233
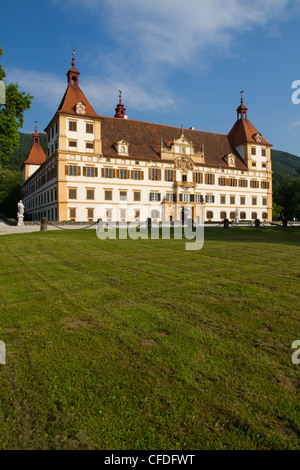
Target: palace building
pixel 120 169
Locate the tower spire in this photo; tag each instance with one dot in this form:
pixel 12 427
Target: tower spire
pixel 73 73
pixel 120 110
pixel 36 135
pixel 242 109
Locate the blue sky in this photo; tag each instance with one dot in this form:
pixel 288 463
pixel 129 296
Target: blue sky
pixel 176 62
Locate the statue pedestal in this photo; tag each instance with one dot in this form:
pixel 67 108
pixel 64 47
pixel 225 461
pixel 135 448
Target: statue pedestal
pixel 20 220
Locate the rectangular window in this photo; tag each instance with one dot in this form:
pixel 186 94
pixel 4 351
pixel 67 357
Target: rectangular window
pixel 107 173
pixel 265 185
pixel 209 179
pixel 222 181
pixel 210 198
pixel 90 214
pixel 123 195
pixel 198 178
pixel 108 195
pixel 199 198
pixel 155 214
pixel 184 178
pixel 223 199
pixel 254 215
pixel 264 201
pixel 209 215
pixel 169 197
pixel 253 164
pixel 90 171
pixel 136 195
pixel 89 128
pixel 186 197
pixel 223 215
pixel 72 193
pixel 72 143
pixel 232 199
pixel 123 174
pixel 89 145
pixel 90 194
pixel 155 174
pixel 169 175
pixel 72 126
pixel 72 213
pixel 264 165
pixel 254 201
pixel 232 215
pixel 154 196
pixel 243 200
pixel 243 183
pixel 253 151
pixel 243 215
pixel 233 182
pixel 254 184
pixel 263 152
pixel 265 215
pixel 72 170
pixel 137 175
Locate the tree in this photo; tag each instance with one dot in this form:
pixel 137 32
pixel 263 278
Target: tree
pixel 11 116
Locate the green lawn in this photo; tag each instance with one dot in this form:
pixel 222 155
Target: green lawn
pixel 123 344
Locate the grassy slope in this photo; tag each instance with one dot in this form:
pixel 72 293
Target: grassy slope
pixel 143 345
pixel 285 164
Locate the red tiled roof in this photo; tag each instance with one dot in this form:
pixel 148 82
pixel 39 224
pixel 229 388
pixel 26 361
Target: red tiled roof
pixel 72 96
pixel 145 141
pixel 36 156
pixel 243 131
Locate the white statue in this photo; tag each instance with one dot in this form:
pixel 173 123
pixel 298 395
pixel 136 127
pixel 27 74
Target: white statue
pixel 20 209
pixel 237 215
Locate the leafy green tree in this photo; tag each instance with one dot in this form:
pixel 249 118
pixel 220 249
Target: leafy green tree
pixel 11 116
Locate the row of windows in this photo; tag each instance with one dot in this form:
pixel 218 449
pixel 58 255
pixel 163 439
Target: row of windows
pixel 50 174
pixel 45 198
pixel 263 151
pixel 170 197
pixel 155 174
pixel 89 128
pixel 232 215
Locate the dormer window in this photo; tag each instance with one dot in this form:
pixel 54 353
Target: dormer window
pixel 122 147
pixel 230 159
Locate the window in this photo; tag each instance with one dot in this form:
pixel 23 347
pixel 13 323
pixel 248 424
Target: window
pixel 254 201
pixel 254 215
pixel 169 175
pixel 72 193
pixel 123 174
pixel 89 128
pixel 123 215
pixel 137 174
pixel 184 178
pixel 265 215
pixel 155 174
pixel 243 200
pixel 90 214
pixel 209 179
pixel 264 201
pixel 222 181
pixel 199 198
pixel 264 165
pixel 108 195
pixel 90 194
pixel 209 215
pixel 90 171
pixel 154 196
pixel 223 215
pixel 72 143
pixel 186 197
pixel 253 164
pixel 73 126
pixel 253 151
pixel 243 183
pixel 107 172
pixel 265 184
pixel 198 178
pixel 263 152
pixel 254 184
pixel 232 215
pixel 89 146
pixel 136 195
pixel 223 199
pixel 233 182
pixel 72 170
pixel 232 199
pixel 123 195
pixel 155 214
pixel 210 198
pixel 243 215
pixel 169 197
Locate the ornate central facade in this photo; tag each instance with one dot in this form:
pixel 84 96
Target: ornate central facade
pixel 116 168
